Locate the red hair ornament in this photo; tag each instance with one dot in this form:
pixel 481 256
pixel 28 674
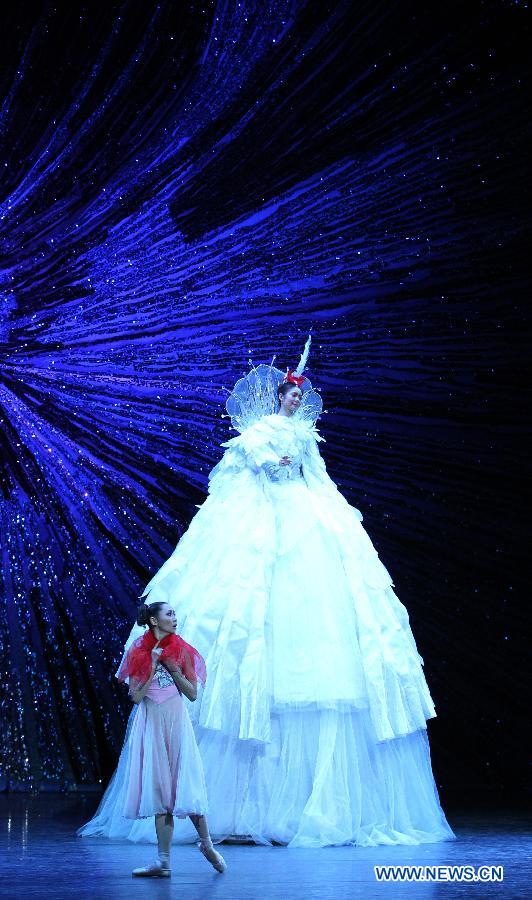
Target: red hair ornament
pixel 137 664
pixel 294 379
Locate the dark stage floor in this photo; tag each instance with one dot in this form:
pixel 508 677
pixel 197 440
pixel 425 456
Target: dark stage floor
pixel 42 857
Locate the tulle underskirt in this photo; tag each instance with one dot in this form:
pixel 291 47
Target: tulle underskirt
pixel 324 780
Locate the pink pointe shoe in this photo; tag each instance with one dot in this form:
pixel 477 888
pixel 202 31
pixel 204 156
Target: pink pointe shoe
pixel 156 869
pixel 216 859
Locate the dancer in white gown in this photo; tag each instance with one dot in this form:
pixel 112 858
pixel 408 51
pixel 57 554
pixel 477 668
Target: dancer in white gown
pixel 312 723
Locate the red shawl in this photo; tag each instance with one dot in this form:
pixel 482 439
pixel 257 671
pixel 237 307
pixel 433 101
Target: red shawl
pixel 137 664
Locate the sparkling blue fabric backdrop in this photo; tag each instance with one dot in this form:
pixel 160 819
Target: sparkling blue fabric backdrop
pixel 187 186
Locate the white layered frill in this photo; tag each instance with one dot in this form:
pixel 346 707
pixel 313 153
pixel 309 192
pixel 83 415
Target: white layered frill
pixel 312 723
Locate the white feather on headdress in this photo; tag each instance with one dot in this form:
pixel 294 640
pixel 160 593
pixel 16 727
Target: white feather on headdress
pixel 304 356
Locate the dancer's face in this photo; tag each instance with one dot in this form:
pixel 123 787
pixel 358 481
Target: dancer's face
pixel 291 400
pixel 166 620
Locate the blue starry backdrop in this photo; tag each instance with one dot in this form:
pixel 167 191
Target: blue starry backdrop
pixel 186 186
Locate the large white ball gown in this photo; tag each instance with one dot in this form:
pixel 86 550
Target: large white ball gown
pixel 312 723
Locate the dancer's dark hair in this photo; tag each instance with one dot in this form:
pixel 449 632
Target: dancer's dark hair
pixel 146 611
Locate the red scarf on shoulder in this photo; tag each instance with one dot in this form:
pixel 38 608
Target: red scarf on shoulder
pixel 137 663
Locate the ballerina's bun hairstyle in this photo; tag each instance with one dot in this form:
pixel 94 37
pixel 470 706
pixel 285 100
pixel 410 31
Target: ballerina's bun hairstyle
pixel 146 611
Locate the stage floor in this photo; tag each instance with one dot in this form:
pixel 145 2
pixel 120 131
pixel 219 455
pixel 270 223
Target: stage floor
pixel 40 856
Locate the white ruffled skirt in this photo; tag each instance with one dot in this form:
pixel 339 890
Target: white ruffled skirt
pixel 312 724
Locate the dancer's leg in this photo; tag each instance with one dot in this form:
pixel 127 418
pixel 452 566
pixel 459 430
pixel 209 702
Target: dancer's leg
pixel 200 824
pixel 164 826
pixel 205 843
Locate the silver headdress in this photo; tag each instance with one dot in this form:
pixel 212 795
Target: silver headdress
pixel 255 395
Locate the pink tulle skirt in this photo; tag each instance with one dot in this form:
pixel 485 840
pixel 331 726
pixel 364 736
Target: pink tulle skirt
pixel 164 768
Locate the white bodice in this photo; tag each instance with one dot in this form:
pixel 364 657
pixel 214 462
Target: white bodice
pixel 263 445
pixel 286 442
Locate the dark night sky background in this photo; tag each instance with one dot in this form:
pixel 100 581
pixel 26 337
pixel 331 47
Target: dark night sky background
pixel 187 185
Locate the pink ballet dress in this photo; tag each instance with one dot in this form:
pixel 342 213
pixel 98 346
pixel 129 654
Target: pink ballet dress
pixel 164 770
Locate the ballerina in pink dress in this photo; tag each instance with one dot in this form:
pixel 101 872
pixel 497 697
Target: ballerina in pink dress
pixel 160 770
